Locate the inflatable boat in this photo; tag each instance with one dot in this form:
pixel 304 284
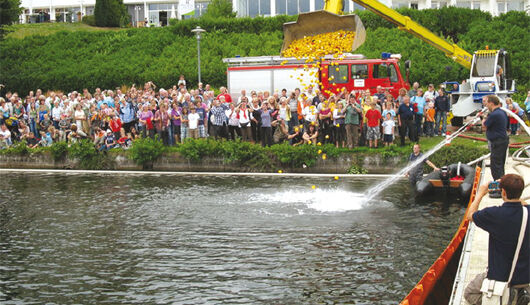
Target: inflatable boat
pixel 455 176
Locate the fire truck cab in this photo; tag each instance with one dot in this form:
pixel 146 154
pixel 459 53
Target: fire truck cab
pixel 353 72
pixel 362 74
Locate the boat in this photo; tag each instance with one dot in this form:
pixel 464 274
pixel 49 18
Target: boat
pixel 435 287
pixel 457 177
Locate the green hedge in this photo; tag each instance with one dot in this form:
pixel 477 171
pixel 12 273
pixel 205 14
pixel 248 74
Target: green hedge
pixel 107 59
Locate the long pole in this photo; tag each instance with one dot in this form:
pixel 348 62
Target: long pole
pixel 199 57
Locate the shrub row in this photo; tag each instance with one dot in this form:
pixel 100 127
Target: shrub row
pixel 75 60
pixel 247 155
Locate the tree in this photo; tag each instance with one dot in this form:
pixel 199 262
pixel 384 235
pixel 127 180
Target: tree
pixel 9 12
pixel 111 13
pixel 220 8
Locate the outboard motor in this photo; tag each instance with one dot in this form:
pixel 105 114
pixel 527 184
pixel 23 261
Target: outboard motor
pixel 445 176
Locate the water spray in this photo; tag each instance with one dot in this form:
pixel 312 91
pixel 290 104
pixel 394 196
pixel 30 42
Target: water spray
pixel 371 193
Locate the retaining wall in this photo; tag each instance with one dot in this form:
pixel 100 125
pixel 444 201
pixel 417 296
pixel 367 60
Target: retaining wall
pixel 375 164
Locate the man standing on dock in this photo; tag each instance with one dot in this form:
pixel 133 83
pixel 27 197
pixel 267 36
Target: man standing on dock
pixel 503 223
pixel 497 137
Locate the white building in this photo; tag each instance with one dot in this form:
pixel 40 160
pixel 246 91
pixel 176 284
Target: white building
pixel 159 11
pixel 293 7
pixel 155 11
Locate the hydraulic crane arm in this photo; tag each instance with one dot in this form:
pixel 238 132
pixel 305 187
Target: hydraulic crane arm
pixel 404 23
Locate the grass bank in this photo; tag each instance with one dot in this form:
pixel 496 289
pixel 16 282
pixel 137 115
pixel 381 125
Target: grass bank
pixel 20 31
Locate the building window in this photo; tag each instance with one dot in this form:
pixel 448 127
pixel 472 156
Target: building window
pixel 359 71
pixel 414 5
pixel 514 6
pixel 292 7
pixel 463 4
pixel 303 6
pixel 258 8
pixel 338 74
pixel 200 8
pixel 380 71
pixel 319 5
pixel 281 9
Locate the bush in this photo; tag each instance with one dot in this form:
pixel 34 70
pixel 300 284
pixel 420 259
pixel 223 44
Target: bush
pixel 115 58
pixel 88 156
pixel 145 151
pixel 89 19
pixel 59 150
pixel 356 170
pixel 456 153
pixel 111 13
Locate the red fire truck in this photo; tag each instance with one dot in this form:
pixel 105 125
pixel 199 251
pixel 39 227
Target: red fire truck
pixel 353 72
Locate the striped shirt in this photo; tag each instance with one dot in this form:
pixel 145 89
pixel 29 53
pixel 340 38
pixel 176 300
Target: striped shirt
pixel 219 116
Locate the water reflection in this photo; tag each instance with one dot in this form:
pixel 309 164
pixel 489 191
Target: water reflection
pixel 193 240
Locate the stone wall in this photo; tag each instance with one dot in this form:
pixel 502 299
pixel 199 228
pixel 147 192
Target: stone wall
pixel 375 164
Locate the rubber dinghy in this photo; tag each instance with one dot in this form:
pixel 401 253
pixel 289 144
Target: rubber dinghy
pixel 455 176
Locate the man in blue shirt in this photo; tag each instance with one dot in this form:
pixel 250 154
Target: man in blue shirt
pixel 406 121
pixel 503 223
pixel 419 104
pixel 496 134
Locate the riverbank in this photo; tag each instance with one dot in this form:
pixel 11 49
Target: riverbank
pixel 206 155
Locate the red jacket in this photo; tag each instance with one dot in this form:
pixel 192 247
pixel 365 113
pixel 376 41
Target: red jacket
pixel 373 116
pixel 115 125
pixel 228 98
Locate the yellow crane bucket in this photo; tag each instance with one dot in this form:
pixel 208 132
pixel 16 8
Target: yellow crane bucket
pixel 319 22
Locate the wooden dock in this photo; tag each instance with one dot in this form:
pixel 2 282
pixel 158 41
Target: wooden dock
pixel 474 258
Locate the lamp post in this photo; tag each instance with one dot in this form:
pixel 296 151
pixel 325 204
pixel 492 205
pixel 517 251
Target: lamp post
pixel 198 31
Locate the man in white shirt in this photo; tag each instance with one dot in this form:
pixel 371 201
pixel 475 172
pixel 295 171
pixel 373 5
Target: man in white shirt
pixel 57 111
pixel 430 95
pixel 193 123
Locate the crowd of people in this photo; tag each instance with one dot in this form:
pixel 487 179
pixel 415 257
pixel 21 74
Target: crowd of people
pixel 114 118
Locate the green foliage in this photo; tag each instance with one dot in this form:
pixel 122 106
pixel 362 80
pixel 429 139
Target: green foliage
pixel 446 22
pixel 295 156
pixel 356 169
pixel 145 151
pixel 88 156
pixel 226 25
pixel 456 153
pixel 59 150
pixel 89 19
pixel 115 58
pixel 111 13
pixel 219 8
pixel 18 149
pixel 9 12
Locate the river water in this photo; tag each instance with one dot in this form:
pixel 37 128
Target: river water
pixel 147 239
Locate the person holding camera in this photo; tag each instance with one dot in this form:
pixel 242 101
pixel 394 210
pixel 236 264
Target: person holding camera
pixel 504 224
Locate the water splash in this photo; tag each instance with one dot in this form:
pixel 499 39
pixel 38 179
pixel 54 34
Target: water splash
pixel 374 191
pixel 322 200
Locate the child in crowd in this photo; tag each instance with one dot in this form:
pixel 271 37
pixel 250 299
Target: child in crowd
pixel 429 120
pixel 109 141
pixel 193 123
pixel 514 125
pixel 373 116
pixel 45 139
pixel 388 129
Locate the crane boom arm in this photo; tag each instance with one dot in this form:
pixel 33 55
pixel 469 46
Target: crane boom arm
pixel 404 23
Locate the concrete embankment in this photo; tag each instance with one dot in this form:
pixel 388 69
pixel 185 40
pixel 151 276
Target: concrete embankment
pixel 374 164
